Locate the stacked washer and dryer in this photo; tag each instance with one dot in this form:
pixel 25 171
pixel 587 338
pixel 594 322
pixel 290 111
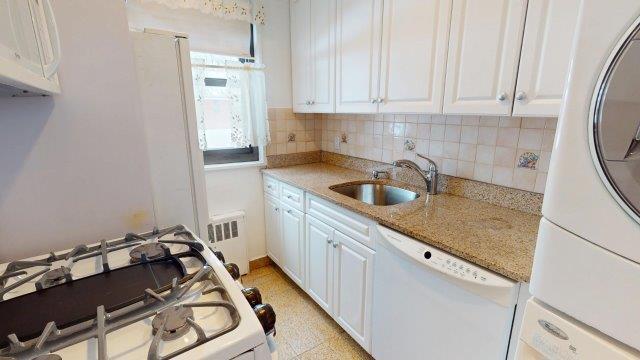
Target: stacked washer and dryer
pixel 586 274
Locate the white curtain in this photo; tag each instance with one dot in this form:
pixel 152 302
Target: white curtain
pixel 245 88
pixel 244 10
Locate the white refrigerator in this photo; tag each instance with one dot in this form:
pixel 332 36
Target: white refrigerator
pixel 175 159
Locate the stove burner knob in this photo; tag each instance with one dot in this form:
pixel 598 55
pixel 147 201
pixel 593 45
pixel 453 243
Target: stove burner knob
pixel 267 317
pixel 219 255
pixel 233 270
pixel 252 295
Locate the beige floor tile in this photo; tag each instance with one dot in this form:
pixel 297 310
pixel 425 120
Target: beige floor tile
pixel 303 328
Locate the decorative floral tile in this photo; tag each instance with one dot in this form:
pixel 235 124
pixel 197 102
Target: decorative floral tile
pixel 528 160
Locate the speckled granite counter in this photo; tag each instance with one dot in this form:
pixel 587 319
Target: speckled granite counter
pixel 491 236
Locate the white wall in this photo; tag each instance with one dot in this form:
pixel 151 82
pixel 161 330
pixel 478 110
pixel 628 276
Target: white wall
pixel 73 167
pixel 276 53
pixel 241 189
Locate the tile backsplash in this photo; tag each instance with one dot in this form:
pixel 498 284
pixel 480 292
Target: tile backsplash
pixel 507 151
pixel 293 133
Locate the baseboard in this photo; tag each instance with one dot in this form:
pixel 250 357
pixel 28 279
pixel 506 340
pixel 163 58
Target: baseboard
pixel 259 262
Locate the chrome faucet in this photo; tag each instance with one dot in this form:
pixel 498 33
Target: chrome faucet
pixel 430 175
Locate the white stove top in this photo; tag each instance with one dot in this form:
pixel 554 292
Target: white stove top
pixel 198 313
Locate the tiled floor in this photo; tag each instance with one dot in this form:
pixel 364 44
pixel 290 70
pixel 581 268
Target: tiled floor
pixel 304 330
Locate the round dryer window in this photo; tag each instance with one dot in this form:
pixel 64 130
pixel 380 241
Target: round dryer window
pixel 616 124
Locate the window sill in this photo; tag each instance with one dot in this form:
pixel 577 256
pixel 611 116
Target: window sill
pixel 231 166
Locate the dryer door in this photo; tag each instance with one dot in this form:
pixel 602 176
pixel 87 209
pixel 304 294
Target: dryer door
pixel 617 126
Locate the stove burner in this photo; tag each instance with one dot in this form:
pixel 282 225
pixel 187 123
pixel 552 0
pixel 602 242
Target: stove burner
pixel 173 322
pixel 54 277
pixel 48 357
pixel 150 250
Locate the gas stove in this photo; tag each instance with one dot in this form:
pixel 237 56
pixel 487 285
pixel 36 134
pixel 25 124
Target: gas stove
pixel 157 295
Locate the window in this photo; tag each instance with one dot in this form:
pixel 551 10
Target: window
pixel 230 106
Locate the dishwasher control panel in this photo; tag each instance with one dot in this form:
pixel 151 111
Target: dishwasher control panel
pixel 443 262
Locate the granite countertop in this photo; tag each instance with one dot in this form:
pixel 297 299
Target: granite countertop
pixel 497 238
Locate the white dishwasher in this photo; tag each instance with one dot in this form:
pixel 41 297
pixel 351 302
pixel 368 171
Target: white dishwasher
pixel 429 304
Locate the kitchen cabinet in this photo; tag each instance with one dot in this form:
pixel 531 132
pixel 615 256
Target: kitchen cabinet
pixel 414 54
pixel 352 284
pixel 313 55
pixel 484 49
pixel 339 278
pixel 293 242
pixel 272 229
pixel 29 48
pixel 319 258
pixel 545 56
pixel 358 35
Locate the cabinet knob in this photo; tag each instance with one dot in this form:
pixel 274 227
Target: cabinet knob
pixel 288 211
pixel 329 241
pixel 308 102
pixel 521 95
pixel 276 209
pixel 373 101
pixel 502 97
pixel 379 100
pixel 335 244
pixel 312 102
pixel 289 196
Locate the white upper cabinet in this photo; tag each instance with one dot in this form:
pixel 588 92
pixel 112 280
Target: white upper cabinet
pixel 546 50
pixel 414 55
pixel 29 48
pixel 313 55
pixel 300 11
pixel 484 49
pixel 358 35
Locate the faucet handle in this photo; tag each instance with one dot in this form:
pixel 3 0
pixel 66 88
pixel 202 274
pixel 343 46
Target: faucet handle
pixel 432 164
pixel 376 174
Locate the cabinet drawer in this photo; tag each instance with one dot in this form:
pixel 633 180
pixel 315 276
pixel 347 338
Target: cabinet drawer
pixel 292 196
pixel 351 224
pixel 271 186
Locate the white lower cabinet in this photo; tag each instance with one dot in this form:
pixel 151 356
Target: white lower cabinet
pixel 272 229
pixel 319 258
pixel 293 242
pixel 339 278
pixel 335 269
pixel 352 284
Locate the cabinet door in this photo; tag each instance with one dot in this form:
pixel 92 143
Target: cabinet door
pixel 353 280
pixel 484 47
pixel 545 57
pixel 414 53
pixel 300 17
pixel 18 41
pixel 358 36
pixel 272 221
pixel 323 55
pixel 293 241
pixel 319 262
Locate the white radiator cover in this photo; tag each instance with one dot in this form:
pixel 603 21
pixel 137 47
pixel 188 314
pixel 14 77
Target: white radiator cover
pixel 227 233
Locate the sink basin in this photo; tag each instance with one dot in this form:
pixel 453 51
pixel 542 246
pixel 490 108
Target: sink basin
pixel 376 194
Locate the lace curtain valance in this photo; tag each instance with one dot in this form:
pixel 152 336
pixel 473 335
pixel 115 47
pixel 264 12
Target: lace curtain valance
pixel 246 10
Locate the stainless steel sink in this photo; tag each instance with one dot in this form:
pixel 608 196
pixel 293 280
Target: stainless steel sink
pixel 375 193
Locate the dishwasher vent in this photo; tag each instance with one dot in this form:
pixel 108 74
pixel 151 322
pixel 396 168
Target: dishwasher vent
pixel 227 233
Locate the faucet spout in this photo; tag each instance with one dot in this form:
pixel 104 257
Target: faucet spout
pixel 429 176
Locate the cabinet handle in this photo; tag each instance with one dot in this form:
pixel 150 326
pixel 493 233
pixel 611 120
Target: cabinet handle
pixel 289 211
pixel 379 100
pixel 329 241
pixel 502 97
pixel 335 244
pixel 312 102
pixel 373 101
pixel 276 209
pixel 289 196
pixel 521 95
pixel 269 187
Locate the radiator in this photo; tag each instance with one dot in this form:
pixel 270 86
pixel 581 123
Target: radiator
pixel 228 233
